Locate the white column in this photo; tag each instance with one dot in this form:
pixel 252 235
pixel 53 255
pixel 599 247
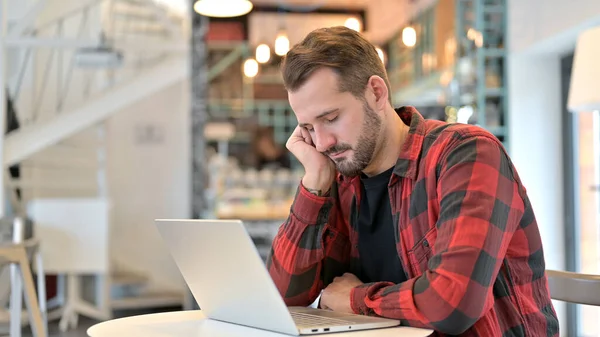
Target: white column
pixel 536 148
pixel 3 19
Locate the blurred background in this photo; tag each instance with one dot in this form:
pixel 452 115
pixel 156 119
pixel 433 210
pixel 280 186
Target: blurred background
pixel 118 112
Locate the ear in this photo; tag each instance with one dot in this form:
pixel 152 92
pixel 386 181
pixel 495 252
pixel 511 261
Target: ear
pixel 380 91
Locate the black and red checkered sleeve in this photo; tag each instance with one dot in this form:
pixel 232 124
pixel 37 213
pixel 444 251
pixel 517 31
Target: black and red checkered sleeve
pixel 480 207
pixel 310 248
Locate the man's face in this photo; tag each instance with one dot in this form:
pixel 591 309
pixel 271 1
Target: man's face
pixel 342 127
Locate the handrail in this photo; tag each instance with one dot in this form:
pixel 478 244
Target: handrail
pixel 69 14
pixel 61 68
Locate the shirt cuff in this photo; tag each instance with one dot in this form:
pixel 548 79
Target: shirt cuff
pixel 357 300
pixel 317 303
pixel 307 206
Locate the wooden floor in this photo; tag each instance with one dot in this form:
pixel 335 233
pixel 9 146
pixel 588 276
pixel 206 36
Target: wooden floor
pixel 53 331
pixel 85 323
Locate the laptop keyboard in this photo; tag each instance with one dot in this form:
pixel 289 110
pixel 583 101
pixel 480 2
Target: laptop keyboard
pixel 308 320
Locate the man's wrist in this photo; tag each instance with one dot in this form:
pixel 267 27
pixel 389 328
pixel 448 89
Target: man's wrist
pixel 357 300
pixel 319 189
pixel 308 207
pixel 317 192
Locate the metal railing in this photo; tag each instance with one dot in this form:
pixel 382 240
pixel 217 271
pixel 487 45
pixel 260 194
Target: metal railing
pixel 50 78
pixel 85 51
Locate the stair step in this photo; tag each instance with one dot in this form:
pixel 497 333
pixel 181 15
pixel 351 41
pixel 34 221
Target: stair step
pixel 24 142
pixel 134 16
pixel 141 3
pixel 122 8
pixel 148 300
pixel 127 278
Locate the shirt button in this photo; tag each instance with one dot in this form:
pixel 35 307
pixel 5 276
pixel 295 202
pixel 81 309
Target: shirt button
pixel 425 243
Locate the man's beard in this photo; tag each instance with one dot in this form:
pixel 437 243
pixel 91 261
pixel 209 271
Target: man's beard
pixel 365 147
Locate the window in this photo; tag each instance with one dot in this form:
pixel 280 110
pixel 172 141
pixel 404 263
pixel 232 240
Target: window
pixel 587 208
pixel 581 151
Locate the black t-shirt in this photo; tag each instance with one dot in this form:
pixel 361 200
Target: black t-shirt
pixel 379 259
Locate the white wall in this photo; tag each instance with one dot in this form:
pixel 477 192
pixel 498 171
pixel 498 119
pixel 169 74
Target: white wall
pixel 149 178
pixel 549 25
pixel 540 32
pixel 536 106
pixel 536 147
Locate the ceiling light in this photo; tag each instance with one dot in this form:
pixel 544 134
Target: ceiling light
pixel 263 53
pixel 223 8
pixel 282 44
pixel 103 56
pixel 353 24
pixel 250 68
pixel 409 36
pixel 98 57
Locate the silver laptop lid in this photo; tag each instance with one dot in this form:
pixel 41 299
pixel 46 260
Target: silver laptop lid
pixel 225 273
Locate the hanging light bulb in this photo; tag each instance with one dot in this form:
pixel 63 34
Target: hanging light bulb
pixel 223 9
pixel 282 44
pixel 263 53
pixel 381 54
pixel 353 24
pixel 409 36
pixel 250 68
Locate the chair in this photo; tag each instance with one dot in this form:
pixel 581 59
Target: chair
pixel 18 254
pixel 574 287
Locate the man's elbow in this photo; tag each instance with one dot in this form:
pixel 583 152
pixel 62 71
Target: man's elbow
pixel 455 324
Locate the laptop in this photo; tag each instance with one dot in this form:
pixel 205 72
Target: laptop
pixel 230 282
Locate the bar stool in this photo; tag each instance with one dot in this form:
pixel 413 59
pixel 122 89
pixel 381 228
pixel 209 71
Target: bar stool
pixel 18 254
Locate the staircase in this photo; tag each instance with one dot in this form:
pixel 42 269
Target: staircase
pixel 104 56
pixel 23 143
pixel 154 57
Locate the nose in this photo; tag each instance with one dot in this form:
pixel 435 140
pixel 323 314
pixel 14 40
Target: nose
pixel 323 140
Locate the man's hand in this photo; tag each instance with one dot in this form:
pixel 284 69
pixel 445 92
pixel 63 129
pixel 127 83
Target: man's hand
pixel 318 168
pixel 336 296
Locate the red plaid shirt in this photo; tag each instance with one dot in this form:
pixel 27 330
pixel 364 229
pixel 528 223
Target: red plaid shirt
pixel 465 231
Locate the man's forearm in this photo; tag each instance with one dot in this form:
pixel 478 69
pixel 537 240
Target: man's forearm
pixel 295 262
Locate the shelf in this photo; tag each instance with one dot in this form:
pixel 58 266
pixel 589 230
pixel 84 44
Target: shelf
pixel 127 278
pixel 494 52
pixel 498 131
pixel 493 9
pixel 427 88
pixel 494 92
pixel 481 80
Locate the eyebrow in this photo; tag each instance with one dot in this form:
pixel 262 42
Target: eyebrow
pixel 321 115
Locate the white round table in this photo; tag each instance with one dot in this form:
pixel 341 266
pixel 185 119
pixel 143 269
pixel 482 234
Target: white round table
pixel 194 324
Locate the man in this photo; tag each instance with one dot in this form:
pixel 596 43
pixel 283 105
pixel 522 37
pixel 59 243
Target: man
pixel 401 217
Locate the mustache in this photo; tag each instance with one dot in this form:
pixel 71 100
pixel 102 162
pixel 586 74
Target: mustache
pixel 337 148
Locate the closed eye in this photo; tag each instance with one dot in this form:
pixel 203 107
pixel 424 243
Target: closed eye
pixel 329 120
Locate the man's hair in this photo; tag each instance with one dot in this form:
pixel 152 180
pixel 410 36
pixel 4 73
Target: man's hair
pixel 341 49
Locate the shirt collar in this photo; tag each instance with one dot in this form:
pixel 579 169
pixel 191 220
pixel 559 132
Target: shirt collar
pixel 408 158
